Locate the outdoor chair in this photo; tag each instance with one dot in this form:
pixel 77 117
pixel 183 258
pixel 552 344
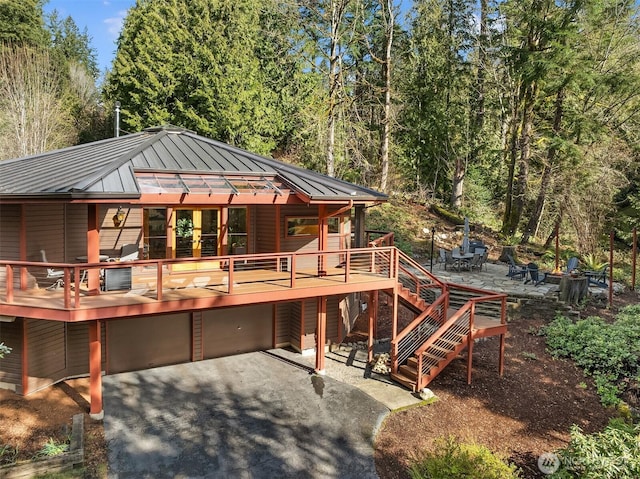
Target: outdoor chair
pixel 516 271
pixel 484 255
pixel 442 258
pixel 55 275
pixel 534 275
pixel 450 260
pixel 572 264
pixel 599 277
pixel 476 261
pixel 128 252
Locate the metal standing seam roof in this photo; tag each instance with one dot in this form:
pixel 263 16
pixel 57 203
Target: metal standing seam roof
pixel 106 168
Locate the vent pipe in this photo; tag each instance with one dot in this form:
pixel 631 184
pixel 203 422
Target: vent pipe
pixel 117 124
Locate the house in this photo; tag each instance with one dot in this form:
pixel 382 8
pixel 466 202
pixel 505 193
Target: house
pixel 164 247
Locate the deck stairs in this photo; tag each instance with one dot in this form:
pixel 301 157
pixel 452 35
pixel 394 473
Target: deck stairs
pixel 442 328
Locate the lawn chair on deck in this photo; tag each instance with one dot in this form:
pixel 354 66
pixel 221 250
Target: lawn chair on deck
pixel 516 271
pixel 56 275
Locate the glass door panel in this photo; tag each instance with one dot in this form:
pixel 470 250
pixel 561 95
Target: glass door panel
pixel 209 233
pixel 184 230
pixel 196 233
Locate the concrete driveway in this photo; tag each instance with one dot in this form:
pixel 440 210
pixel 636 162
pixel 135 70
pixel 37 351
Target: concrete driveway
pixel 247 416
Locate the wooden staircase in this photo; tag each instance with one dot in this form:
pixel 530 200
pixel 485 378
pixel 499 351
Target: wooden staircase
pixel 442 328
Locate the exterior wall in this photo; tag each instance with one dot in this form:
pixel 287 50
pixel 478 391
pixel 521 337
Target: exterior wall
pixel 112 238
pixel 283 316
pixel 76 231
pixel 10 228
pixel 11 365
pixel 304 317
pixel 46 350
pixel 265 228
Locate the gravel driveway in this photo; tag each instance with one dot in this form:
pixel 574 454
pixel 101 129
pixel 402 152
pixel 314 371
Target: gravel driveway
pixel 247 416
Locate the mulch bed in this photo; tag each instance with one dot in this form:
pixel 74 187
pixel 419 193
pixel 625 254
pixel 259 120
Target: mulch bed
pixel 521 415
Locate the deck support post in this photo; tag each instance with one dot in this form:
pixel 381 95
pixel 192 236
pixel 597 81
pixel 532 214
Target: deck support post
pixel 501 360
pixel 373 319
pixel 321 334
pixel 323 239
pixel 95 371
pixel 93 247
pixel 469 357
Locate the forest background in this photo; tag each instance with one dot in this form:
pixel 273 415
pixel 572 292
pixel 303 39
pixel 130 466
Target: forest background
pixel 521 114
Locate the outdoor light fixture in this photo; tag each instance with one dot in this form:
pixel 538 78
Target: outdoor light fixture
pixel 118 218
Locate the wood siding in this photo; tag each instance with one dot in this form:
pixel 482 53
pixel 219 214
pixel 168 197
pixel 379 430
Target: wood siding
pixel 310 311
pixel 283 324
pixel 142 343
pixel 10 232
pixel 76 231
pixel 237 330
pixel 265 229
pixel 11 364
pixel 46 353
pixel 112 238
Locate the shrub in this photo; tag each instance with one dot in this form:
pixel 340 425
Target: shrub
pixel 451 459
pixel 4 350
pixel 610 352
pixel 611 453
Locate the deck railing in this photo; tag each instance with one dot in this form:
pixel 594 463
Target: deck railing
pixel 221 274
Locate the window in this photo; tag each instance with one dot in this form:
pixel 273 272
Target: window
pixel 237 230
pixel 155 232
pixel 308 226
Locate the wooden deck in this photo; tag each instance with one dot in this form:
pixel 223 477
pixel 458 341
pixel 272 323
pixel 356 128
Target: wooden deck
pixel 189 290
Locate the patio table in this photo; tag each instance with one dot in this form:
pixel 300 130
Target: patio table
pixel 461 258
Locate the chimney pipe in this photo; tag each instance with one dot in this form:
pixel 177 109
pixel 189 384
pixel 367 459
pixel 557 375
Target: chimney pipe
pixel 117 125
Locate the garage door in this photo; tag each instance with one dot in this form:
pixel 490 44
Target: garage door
pixel 237 330
pixel 142 343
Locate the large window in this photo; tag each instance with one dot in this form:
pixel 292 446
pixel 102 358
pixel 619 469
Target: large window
pixel 155 232
pixel 308 226
pixel 237 231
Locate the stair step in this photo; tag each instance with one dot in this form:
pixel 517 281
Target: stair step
pixel 405 381
pixel 440 348
pixel 449 341
pixel 408 372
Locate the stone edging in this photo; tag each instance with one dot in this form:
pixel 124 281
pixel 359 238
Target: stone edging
pixel 61 462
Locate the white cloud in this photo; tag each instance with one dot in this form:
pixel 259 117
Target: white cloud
pixel 114 24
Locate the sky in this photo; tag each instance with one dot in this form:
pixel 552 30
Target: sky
pixel 102 18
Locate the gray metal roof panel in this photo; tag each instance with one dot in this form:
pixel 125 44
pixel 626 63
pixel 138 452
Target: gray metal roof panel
pixel 107 167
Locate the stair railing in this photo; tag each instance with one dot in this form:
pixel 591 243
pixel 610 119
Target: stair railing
pixel 417 279
pixel 458 326
pixel 417 332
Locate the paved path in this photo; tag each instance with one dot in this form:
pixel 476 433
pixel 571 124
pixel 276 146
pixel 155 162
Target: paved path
pixel 246 416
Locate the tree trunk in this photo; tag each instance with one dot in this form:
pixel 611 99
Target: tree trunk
pixel 386 121
pixel 520 189
pixel 548 168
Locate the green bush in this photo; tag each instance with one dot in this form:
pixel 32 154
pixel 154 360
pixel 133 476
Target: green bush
pixel 451 459
pixel 612 453
pixel 610 352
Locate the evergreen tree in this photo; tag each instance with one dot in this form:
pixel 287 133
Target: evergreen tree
pixel 21 23
pixel 198 65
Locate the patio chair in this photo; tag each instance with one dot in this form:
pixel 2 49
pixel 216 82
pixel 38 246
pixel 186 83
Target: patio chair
pixel 572 264
pixel 516 271
pixel 484 255
pixel 128 252
pixel 442 258
pixel 534 275
pixel 56 275
pixel 599 277
pixel 476 261
pixel 450 260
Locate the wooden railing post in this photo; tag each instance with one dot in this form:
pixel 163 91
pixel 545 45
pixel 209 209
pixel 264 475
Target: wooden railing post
pixel 230 276
pixel 9 282
pixel 419 373
pixel 159 281
pixel 472 313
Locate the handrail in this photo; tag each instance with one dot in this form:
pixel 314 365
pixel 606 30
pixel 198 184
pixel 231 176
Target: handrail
pixel 382 260
pixel 446 325
pixel 385 240
pixel 427 312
